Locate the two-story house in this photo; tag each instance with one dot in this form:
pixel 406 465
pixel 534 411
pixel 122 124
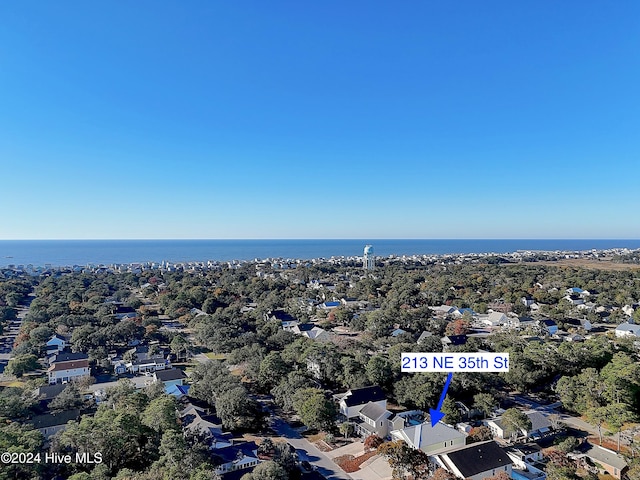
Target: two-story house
pixel 355 399
pixel 373 419
pixel 431 440
pixel 65 367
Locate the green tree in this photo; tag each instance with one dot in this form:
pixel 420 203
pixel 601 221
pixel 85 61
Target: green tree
pixel 268 470
pixel 346 429
pixel 19 438
pixel 614 415
pixel 7 314
pixel 15 402
pixel 314 409
pixel 179 346
pixel 514 421
pixel 451 411
pixel 404 460
pixel 272 369
pixel 379 371
pixel 238 411
pixel 70 398
pixel 284 392
pixel 21 364
pixel 598 416
pixel 160 415
pixel 568 445
pixel 418 390
pixel 621 377
pixel 485 402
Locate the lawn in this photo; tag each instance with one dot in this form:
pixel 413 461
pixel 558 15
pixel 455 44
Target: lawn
pixel 215 356
pixel 13 383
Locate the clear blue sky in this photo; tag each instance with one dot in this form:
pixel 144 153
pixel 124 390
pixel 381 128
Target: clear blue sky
pixel 320 119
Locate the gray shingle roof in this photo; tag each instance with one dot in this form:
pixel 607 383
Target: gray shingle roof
pixel 373 411
pixel 54 419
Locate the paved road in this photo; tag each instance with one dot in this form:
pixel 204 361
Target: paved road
pixel 9 335
pixel 308 451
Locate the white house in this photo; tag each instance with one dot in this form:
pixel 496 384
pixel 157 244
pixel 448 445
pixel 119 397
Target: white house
pixel 628 330
pixel 68 366
pixel 431 440
pixel 574 299
pixel 539 425
pixel 170 378
pixel 373 419
pixel 236 457
pixel 355 399
pixel 526 460
pixel 493 319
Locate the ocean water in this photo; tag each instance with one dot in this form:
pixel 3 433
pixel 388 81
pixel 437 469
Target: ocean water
pixel 83 252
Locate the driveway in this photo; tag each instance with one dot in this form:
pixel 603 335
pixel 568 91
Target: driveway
pixel 308 451
pixel 376 468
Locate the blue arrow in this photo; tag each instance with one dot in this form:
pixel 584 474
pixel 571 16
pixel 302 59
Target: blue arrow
pixel 437 415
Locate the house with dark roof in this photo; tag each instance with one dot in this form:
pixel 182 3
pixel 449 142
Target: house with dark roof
pixel 236 457
pixel 67 357
pixel 453 341
pixel 47 393
pixel 527 462
pixel 550 326
pixel 521 322
pixel 144 359
pixel 170 378
pixel 279 315
pixel 355 399
pixel 196 420
pixel 476 461
pixel 66 367
pixel 51 423
pixel 310 330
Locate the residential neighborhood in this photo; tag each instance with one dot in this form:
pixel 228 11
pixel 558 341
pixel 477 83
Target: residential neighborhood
pixel 249 367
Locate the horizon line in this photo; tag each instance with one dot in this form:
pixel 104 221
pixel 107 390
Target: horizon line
pixel 307 238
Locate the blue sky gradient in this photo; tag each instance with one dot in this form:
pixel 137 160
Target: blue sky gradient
pixel 290 119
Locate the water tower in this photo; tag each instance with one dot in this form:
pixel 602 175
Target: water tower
pixel 369 261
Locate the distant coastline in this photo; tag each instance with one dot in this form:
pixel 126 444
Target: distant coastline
pixel 107 252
